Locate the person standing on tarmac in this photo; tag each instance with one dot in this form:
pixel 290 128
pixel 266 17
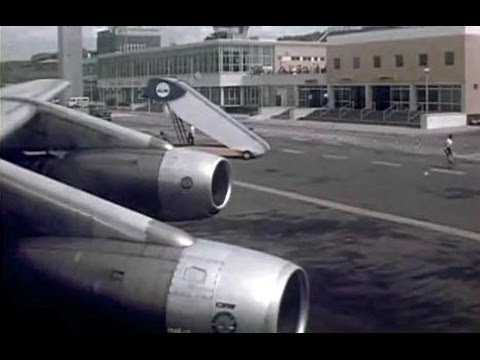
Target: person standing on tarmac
pixel 191 135
pixel 163 136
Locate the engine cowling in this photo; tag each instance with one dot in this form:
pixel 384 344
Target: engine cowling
pixel 206 287
pixel 174 185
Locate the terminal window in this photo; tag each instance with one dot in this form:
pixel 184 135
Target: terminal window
pixel 377 62
pixel 423 60
pixel 232 95
pixel 336 63
pixel 356 62
pixel 399 60
pixel 449 58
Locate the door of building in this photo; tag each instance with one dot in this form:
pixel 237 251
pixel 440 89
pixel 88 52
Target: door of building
pixel 381 97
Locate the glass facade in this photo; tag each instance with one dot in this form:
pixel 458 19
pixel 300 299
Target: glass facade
pixel 90 90
pixel 342 96
pixel 205 59
pixel 441 98
pixel 215 95
pixel 400 97
pixel 246 58
pixel 252 95
pixel 233 96
pixel 90 69
pixel 312 96
pixel 211 93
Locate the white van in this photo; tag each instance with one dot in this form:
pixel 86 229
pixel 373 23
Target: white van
pixel 78 102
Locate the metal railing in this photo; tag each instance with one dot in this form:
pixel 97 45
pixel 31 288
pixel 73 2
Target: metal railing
pixel 412 114
pixel 365 112
pixel 389 111
pixel 179 127
pixel 344 110
pixel 323 111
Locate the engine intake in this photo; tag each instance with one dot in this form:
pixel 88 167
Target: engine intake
pixel 188 178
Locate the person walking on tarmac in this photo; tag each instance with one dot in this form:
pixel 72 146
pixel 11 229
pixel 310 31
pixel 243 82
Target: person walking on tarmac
pixel 449 149
pixel 191 135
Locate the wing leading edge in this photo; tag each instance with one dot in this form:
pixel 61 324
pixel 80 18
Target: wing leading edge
pixel 14 114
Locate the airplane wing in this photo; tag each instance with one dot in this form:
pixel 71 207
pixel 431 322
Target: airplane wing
pixel 120 164
pixel 59 127
pixel 114 255
pixel 17 114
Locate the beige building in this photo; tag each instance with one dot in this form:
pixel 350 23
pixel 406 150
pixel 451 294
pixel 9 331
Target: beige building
pixel 391 69
pixel 297 57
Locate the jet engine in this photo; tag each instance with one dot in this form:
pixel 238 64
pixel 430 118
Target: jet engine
pixel 173 185
pixel 119 286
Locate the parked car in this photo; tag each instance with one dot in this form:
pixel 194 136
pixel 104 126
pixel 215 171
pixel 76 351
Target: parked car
pixel 101 111
pixel 78 102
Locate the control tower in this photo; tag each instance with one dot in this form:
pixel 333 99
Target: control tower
pixel 230 32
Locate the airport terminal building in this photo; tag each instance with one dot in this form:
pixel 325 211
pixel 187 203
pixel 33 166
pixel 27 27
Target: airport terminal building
pixel 372 72
pixel 233 73
pixel 393 68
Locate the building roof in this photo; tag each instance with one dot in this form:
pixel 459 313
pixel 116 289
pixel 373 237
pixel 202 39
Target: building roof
pixel 373 33
pixel 212 43
pixel 314 36
pixel 132 30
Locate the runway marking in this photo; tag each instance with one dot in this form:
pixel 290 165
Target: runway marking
pixel 123 115
pixel 363 212
pixel 290 151
pixel 386 163
pixel 446 171
pixel 335 157
pixel 300 139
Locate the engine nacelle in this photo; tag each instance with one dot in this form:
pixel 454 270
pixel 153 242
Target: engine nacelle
pixel 225 289
pixel 206 287
pixel 172 185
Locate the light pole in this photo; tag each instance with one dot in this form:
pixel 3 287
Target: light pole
pixel 426 71
pixel 131 84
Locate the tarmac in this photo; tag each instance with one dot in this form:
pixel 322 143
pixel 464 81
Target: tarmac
pixel 389 237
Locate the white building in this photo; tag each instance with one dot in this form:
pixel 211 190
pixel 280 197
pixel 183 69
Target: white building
pixel 233 73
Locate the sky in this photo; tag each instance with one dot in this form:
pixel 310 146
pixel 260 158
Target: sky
pixel 21 42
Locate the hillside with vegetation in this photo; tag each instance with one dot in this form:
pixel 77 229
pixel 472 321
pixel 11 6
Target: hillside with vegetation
pixel 13 72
